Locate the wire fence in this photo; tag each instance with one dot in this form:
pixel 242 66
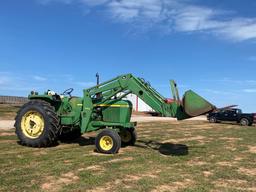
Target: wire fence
pixel 13 100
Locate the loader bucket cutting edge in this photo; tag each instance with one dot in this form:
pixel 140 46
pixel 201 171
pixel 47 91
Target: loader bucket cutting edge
pixel 195 105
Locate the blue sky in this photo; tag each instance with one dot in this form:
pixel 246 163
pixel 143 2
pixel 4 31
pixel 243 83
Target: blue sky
pixel 208 46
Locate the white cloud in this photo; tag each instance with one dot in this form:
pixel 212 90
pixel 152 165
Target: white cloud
pixel 238 29
pixel 194 18
pixel 134 9
pixel 175 15
pixel 39 78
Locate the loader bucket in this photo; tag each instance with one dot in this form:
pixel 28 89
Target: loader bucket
pixel 195 105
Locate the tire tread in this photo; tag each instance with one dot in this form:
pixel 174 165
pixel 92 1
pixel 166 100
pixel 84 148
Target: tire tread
pixel 45 140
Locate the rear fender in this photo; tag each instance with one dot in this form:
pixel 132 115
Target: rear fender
pixel 46 98
pixel 54 100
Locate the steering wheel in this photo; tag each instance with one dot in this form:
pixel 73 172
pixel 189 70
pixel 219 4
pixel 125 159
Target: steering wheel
pixel 68 92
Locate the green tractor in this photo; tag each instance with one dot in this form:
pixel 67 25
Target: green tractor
pixel 50 117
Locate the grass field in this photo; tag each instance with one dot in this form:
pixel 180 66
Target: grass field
pixel 169 156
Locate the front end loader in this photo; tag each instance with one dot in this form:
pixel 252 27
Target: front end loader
pixel 50 117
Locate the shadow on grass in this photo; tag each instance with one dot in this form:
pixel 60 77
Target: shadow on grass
pixel 164 148
pixel 228 123
pixel 81 141
pixel 31 145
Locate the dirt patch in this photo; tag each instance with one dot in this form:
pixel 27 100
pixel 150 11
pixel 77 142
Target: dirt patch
pixel 128 179
pixel 97 169
pixel 207 173
pixel 225 163
pixel 67 161
pixel 40 152
pixel 232 183
pixel 126 149
pixel 94 168
pixel 151 119
pixel 144 136
pixel 249 172
pixel 6 124
pixel 196 163
pixel 70 175
pixel 238 158
pixel 196 138
pixel 149 175
pixel 119 160
pixel 146 131
pixel 231 139
pixel 8 141
pixel 7 134
pixel 100 169
pixel 231 148
pixel 174 186
pixel 55 185
pixel 96 153
pixel 102 189
pixel 252 149
pixel 200 127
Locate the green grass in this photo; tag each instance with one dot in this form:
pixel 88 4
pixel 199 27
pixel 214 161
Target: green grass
pixel 168 156
pixel 8 111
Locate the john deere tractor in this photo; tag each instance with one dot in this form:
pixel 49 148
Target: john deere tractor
pixel 50 117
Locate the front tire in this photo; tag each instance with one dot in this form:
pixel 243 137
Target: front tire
pixel 108 141
pixel 212 120
pixel 244 122
pixel 37 124
pixel 128 137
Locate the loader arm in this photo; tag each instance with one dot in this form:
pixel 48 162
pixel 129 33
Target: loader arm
pixel 122 85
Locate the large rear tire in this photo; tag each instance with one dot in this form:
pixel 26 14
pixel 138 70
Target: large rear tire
pixel 37 124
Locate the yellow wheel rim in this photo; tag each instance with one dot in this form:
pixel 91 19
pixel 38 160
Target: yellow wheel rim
pixel 106 143
pixel 32 124
pixel 126 136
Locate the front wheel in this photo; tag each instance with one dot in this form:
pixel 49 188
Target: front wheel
pixel 244 122
pixel 128 136
pixel 108 141
pixel 212 120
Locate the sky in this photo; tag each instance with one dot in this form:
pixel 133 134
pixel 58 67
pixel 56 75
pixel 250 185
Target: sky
pixel 208 46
